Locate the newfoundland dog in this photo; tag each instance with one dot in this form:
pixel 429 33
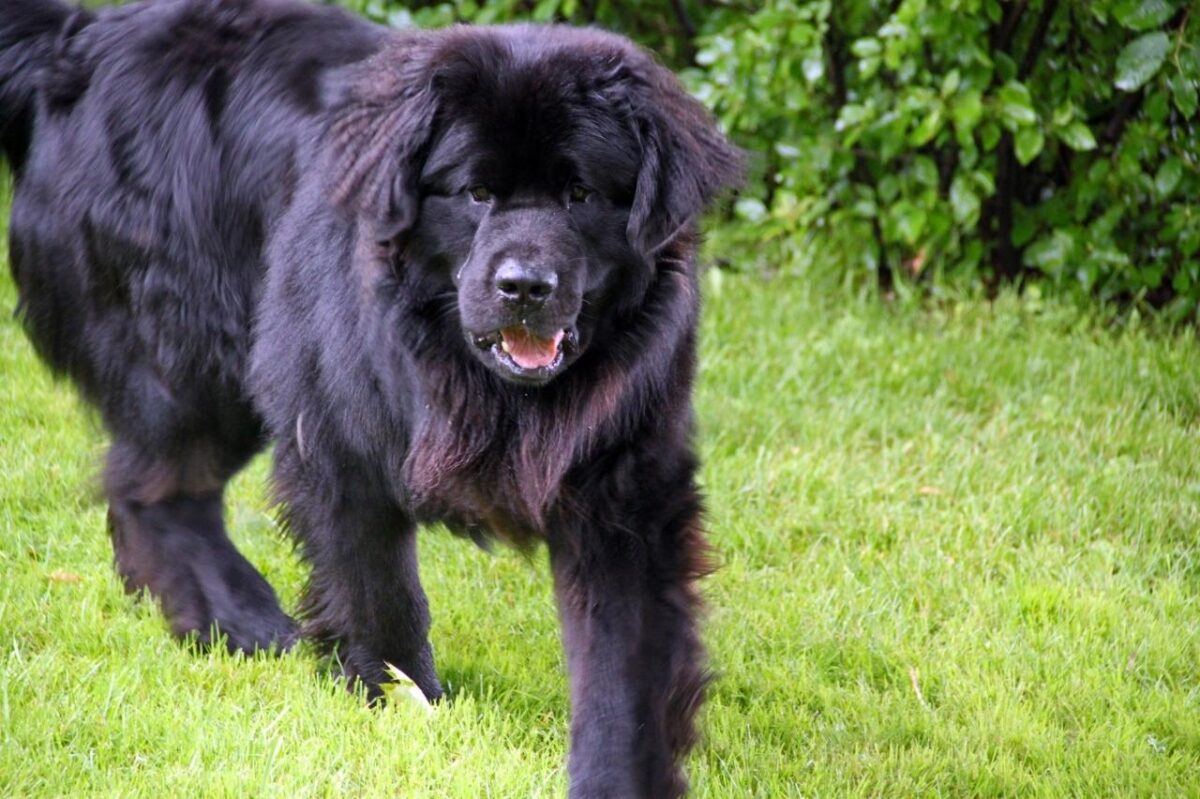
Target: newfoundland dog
pixel 450 274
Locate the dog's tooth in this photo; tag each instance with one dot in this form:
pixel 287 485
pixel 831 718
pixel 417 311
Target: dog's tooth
pixel 504 346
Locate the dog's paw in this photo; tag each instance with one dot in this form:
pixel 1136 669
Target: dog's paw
pixel 378 677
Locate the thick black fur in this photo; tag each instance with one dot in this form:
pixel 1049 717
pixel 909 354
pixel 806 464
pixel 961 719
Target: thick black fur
pixel 243 220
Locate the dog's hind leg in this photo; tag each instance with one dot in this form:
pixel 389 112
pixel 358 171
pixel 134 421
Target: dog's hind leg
pixel 165 518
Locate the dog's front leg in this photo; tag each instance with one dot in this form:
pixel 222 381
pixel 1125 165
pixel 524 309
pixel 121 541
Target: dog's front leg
pixel 628 607
pixel 364 594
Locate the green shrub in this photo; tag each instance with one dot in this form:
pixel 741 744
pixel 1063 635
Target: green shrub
pixel 976 139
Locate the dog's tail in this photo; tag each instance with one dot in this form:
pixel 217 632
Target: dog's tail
pixel 28 30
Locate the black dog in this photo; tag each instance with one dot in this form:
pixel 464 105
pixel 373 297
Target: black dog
pixel 450 274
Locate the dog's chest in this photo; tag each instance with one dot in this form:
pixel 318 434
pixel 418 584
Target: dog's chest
pixel 498 480
pixel 466 506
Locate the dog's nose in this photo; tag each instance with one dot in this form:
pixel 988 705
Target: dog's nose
pixel 520 284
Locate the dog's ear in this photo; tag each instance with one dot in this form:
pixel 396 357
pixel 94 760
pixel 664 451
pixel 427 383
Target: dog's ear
pixel 686 160
pixel 380 131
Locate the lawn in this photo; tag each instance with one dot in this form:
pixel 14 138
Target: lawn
pixel 959 558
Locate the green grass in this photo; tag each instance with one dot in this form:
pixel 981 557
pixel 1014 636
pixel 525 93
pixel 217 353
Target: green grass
pixel 959 554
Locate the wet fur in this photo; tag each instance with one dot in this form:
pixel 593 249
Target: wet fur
pixel 218 235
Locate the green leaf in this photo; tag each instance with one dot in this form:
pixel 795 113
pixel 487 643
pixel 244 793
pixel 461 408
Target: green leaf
pixel 910 221
pixel 1156 106
pixel 967 110
pixel 1050 253
pixel 889 188
pixel 1016 106
pixel 950 82
pixel 1142 15
pixel 924 170
pixel 1167 177
pixel 401 690
pixel 1006 68
pixel 964 201
pixel 545 10
pixel 1078 136
pixel 1029 143
pixel 929 126
pixel 1024 226
pixel 865 208
pixel 989 136
pixel 1189 241
pixel 1140 60
pixel 984 181
pixel 1063 115
pixel 866 47
pixel 852 116
pixel 1183 92
pixel 751 209
pixel 814 67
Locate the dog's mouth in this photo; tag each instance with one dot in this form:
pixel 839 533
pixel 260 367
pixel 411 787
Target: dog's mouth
pixel 527 356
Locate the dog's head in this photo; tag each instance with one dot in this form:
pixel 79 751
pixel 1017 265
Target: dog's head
pixel 537 172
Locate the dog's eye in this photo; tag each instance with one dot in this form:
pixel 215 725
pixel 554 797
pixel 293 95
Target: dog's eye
pixel 580 193
pixel 480 193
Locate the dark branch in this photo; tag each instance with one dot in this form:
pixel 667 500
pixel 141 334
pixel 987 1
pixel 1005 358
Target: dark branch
pixel 685 21
pixel 1002 37
pixel 1038 40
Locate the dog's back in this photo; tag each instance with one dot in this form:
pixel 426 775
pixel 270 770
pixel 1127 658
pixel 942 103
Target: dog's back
pixel 28 29
pixel 152 145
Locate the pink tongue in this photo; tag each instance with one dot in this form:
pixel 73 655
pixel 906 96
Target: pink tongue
pixel 527 350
